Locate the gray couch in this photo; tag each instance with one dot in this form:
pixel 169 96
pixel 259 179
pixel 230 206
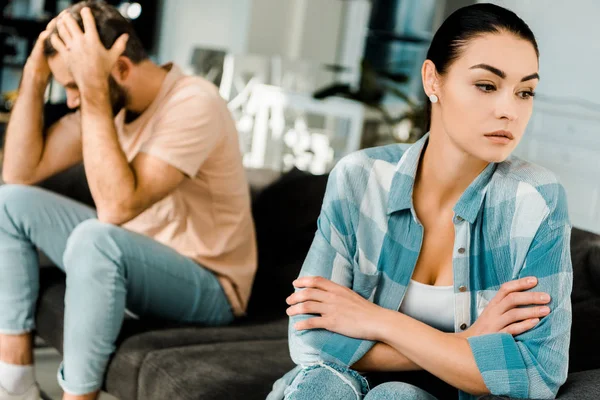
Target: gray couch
pixel 161 360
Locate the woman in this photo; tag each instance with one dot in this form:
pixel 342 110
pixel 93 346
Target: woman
pixel 424 259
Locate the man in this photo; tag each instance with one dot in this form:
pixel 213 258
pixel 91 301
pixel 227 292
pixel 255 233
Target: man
pixel 172 234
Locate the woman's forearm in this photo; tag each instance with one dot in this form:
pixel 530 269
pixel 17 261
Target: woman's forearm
pixel 384 358
pixel 447 356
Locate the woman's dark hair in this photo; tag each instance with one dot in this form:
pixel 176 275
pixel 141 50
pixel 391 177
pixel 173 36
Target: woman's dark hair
pixel 466 24
pixel 110 24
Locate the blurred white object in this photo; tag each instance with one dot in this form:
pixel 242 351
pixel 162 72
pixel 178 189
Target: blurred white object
pixel 275 145
pixel 131 10
pixel 402 130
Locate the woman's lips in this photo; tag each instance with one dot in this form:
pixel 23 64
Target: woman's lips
pixel 500 137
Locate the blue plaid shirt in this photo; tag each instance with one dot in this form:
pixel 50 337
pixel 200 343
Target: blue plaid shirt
pixel 511 222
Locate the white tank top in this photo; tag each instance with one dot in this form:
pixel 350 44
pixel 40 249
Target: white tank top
pixel 432 305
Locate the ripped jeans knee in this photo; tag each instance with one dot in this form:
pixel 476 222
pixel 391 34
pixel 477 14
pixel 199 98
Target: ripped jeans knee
pixel 327 381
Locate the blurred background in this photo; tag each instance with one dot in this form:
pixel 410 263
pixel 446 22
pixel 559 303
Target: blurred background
pixel 309 81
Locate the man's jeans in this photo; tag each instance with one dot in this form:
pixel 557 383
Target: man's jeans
pixel 108 268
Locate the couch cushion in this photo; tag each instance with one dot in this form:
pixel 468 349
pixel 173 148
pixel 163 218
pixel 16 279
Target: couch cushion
pixel 585 254
pixel 139 337
pixel 240 370
pixel 247 370
pixel 70 183
pixel 285 214
pixel 579 386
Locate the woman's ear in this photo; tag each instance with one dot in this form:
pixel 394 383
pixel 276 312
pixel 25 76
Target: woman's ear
pixel 122 69
pixel 430 78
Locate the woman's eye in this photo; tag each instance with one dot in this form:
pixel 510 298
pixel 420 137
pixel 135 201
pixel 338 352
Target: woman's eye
pixel 485 87
pixel 526 95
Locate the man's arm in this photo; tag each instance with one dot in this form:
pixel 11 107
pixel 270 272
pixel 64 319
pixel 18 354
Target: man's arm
pixel 28 157
pixel 121 191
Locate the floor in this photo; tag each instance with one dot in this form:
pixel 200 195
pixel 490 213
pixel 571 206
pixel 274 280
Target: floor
pixel 47 361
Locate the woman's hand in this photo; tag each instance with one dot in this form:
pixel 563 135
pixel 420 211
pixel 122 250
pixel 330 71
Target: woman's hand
pixel 504 314
pixel 337 308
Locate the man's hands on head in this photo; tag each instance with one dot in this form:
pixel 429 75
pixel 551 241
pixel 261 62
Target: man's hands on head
pixel 37 63
pixel 88 60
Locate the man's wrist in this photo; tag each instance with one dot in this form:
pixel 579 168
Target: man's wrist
pixel 35 76
pixel 94 89
pixel 95 96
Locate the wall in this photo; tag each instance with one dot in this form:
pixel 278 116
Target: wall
pixel 304 29
pixel 564 133
pixel 453 5
pixel 185 24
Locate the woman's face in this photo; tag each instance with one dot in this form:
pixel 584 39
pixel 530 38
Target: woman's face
pixel 488 91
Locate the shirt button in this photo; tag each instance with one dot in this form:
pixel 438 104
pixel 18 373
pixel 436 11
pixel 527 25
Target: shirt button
pixel 463 327
pixel 461 250
pixel 459 219
pixel 462 289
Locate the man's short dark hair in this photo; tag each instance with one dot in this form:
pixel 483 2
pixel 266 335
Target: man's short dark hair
pixel 110 24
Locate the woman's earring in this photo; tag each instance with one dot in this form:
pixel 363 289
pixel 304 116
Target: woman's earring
pixel 433 98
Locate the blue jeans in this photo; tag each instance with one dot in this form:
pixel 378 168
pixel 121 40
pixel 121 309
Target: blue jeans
pixel 108 269
pixel 328 381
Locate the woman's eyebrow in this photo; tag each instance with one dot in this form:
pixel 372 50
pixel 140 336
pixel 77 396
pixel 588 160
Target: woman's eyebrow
pixel 502 74
pixel 530 77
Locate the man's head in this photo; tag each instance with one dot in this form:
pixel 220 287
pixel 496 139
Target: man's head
pixel 111 25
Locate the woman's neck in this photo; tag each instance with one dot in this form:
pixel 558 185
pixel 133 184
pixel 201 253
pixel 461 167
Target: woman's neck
pixel 445 171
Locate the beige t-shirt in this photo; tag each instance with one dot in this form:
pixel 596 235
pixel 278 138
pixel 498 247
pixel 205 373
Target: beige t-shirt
pixel 207 217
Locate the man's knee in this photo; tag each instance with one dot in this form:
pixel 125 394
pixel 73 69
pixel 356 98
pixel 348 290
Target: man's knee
pixel 16 203
pixel 16 197
pixel 398 390
pixel 91 245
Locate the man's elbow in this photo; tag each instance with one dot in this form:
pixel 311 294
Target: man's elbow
pixel 115 215
pixel 16 179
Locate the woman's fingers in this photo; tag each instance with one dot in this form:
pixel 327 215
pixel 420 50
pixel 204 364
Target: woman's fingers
pixel 318 282
pixel 522 314
pixel 517 299
pixel 311 323
pixel 308 307
pixel 517 285
pixel 308 294
pixel 521 327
